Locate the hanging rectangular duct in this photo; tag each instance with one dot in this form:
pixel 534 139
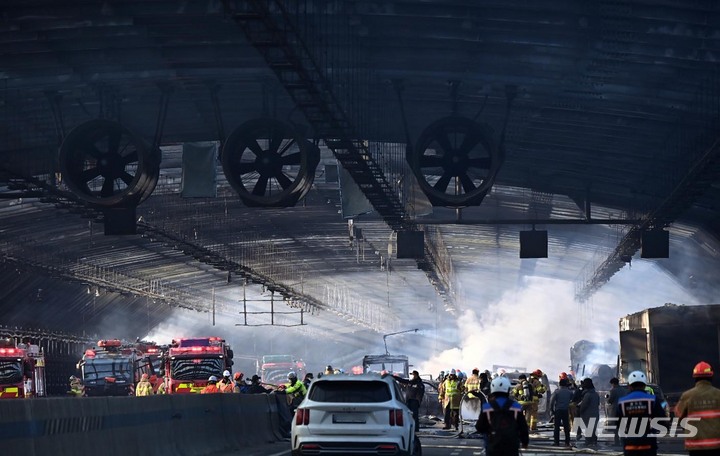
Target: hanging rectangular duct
pixel 199 170
pixel 120 221
pixel 410 244
pixel 534 244
pixel 331 174
pixel 353 201
pixel 655 244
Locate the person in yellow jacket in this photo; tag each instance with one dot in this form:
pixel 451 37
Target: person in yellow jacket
pixel 144 387
pixel 77 389
pixel 450 394
pixel 472 384
pixel 538 392
pixel 702 401
pixel 523 393
pixel 295 391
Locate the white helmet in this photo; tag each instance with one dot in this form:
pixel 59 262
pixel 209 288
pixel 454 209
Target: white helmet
pixel 637 377
pixel 500 385
pixel 291 375
pixel 212 378
pixel 226 373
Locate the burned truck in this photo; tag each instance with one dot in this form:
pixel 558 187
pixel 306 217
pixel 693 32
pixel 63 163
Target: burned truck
pixel 667 342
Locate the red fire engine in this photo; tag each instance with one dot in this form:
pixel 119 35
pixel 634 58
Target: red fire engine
pixel 112 369
pixel 22 370
pixel 275 368
pixel 189 363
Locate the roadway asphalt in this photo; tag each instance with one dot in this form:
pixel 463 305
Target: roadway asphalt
pixel 439 442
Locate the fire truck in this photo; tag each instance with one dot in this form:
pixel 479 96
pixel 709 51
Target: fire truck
pixel 274 368
pixel 189 363
pixel 22 370
pixel 112 368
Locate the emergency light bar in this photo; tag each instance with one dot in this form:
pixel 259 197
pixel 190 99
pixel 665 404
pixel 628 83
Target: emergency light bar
pixel 10 351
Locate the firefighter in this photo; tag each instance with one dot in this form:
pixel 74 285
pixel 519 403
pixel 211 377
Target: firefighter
pixel 144 387
pixel 702 401
pixel 639 404
pixel 329 370
pixel 211 387
pixel 472 384
pixel 226 384
pixel 538 390
pixel 162 387
pixel 77 389
pixel 449 394
pixel 523 392
pixel 239 382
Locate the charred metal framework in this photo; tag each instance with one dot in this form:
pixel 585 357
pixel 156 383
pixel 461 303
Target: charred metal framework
pixel 311 82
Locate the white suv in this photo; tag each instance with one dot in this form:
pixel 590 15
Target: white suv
pixel 354 414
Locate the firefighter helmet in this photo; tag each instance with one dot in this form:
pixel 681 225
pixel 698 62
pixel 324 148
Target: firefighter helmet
pixel 144 377
pixel 226 373
pixel 500 385
pixel 212 378
pixel 537 373
pixel 291 375
pixel 238 375
pixel 637 377
pixel 563 375
pixel 702 370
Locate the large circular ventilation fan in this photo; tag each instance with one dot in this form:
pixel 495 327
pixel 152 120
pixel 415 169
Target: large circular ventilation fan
pixel 455 161
pixel 269 164
pixel 105 164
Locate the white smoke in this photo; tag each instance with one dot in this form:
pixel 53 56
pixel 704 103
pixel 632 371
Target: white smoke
pixel 536 325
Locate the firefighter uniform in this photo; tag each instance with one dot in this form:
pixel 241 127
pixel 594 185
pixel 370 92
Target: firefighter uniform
pixel 473 384
pixel 144 387
pixel 702 401
pixel 523 392
pixel 211 387
pixel 76 387
pixel 539 390
pixel 450 394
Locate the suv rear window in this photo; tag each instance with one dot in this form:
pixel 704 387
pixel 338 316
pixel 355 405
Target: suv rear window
pixel 350 391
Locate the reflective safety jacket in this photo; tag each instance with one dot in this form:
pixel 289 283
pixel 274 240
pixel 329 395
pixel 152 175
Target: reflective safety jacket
pixel 226 387
pixel 539 388
pixel 210 389
pixel 450 393
pixel 296 389
pixel 144 388
pixel 472 384
pixel 702 401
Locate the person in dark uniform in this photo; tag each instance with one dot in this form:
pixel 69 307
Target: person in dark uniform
pixel 414 393
pixel 638 404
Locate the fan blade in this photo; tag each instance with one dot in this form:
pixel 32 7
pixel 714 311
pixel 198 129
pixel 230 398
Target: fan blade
pixel 127 178
pixel 89 174
pixel 255 147
pixel 283 180
pixel 130 158
pixel 260 186
pixel 276 139
pixel 467 183
pixel 245 167
pixel 287 146
pixel 292 159
pixel 444 141
pixel 442 183
pixel 469 142
pixel 431 161
pixel 107 188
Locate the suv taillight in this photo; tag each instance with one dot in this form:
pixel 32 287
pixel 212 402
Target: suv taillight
pixel 396 417
pixel 302 416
